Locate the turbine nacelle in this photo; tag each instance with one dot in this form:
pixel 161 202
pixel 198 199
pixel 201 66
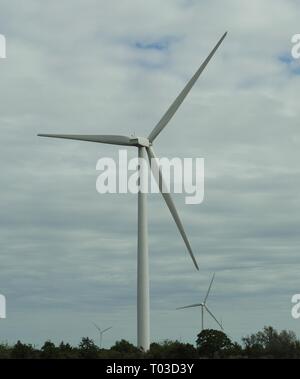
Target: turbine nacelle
pixel 140 142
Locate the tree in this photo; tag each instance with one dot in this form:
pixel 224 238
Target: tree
pixel 66 351
pixel 212 343
pixel 88 349
pixel 23 351
pixel 270 343
pixel 234 351
pixel 172 350
pixel 5 351
pixel 267 343
pixel 49 350
pixel 253 346
pixel 125 348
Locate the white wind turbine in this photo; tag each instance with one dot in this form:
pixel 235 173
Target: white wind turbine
pixel 204 307
pixel 101 332
pixel 145 148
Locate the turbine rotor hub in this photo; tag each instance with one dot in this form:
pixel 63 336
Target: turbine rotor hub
pixel 140 141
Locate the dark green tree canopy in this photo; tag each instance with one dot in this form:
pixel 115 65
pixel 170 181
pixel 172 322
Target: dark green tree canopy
pixel 211 342
pixel 271 343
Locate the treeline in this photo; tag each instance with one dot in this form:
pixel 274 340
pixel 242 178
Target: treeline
pixel 268 343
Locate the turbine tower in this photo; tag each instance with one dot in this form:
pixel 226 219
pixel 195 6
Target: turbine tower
pixel 204 307
pixel 145 149
pixel 101 332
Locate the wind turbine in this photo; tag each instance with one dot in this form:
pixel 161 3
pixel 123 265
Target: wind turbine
pixel 145 149
pixel 204 307
pixel 101 332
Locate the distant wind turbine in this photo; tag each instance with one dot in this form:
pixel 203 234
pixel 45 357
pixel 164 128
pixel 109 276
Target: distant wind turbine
pixel 145 149
pixel 204 307
pixel 101 332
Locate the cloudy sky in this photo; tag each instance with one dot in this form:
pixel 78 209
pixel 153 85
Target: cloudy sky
pixel 67 253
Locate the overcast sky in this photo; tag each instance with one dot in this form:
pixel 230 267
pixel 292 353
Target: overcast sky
pixel 67 253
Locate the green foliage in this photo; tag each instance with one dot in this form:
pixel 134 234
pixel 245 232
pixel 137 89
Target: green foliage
pixel 23 351
pixel 48 350
pixel 213 343
pixel 268 343
pixel 124 349
pixel 66 351
pixel 172 350
pixel 234 351
pixel 88 349
pixel 5 351
pixel 124 346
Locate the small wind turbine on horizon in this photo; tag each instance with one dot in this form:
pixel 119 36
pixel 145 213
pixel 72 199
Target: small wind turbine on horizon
pixel 101 332
pixel 145 150
pixel 204 307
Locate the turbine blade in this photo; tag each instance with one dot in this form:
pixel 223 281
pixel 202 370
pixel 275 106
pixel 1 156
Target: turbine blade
pixel 190 306
pixel 110 139
pixel 211 282
pixel 168 199
pixel 97 327
pixel 178 101
pixel 105 330
pixel 213 317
